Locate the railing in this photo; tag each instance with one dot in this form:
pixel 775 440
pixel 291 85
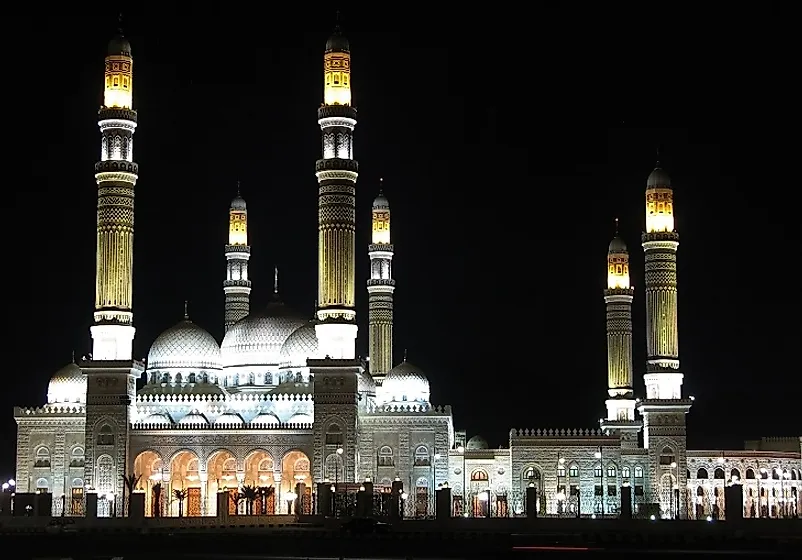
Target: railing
pixel 194 426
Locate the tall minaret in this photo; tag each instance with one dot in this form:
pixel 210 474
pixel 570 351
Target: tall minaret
pixel 380 291
pixel 664 409
pixel 618 299
pixel 116 175
pixel 237 285
pixel 336 173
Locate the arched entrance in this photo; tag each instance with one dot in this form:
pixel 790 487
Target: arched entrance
pixel 222 470
pixel 185 497
pixel 259 474
pixel 149 467
pixel 294 471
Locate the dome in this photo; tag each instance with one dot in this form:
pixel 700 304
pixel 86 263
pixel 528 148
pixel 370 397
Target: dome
pixel 366 383
pixel 381 202
pixel 292 388
pixel 193 418
pixel 299 346
pixel 158 418
pixel 476 442
pixel 300 418
pixel 658 178
pixel 68 385
pixel 337 42
pixel 405 383
pixel 265 419
pixel 229 418
pixel 238 203
pixel 119 45
pixel 186 345
pixel 617 245
pixel 257 339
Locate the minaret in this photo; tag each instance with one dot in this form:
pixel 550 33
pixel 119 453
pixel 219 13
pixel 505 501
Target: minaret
pixel 337 174
pixel 664 409
pixel 237 285
pixel 380 291
pixel 116 175
pixel 618 300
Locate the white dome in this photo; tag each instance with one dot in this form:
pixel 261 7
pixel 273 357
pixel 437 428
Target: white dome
pixel 185 346
pixel 68 385
pixel 265 419
pixel 300 418
pixel 257 339
pixel 158 418
pixel 299 346
pixel 476 442
pixel 193 418
pixel 229 418
pixel 405 383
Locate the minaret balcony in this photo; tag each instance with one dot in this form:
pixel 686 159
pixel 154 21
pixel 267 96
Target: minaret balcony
pixel 116 165
pixel 335 111
pixel 660 236
pixel 116 113
pixel 380 248
pixel 238 249
pixel 381 282
pixel 237 283
pixel 336 164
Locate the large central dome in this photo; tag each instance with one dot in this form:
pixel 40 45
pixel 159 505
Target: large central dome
pixel 184 346
pixel 257 339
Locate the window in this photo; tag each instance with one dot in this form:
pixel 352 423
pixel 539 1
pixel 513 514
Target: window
pixel 422 456
pixel 334 435
pixel 639 490
pixel 77 457
pixel 611 490
pixel 574 490
pixel 42 458
pixel 105 436
pixel 598 490
pixel 701 473
pixel 718 474
pixel 573 471
pixel 42 485
pixel 479 475
pixel 597 471
pixel 560 471
pixel 667 457
pixel 611 471
pixel 531 474
pixel 385 456
pixel 638 472
pixel 626 473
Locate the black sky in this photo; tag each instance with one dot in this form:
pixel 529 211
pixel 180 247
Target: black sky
pixel 507 145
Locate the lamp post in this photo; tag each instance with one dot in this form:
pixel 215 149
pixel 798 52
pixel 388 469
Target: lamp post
pixel 674 466
pixel 598 455
pixel 432 500
pixel 560 494
pixel 461 451
pixel 404 496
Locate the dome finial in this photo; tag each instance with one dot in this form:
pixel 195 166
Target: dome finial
pixel 120 23
pixel 657 164
pixel 405 354
pixel 275 281
pixel 238 191
pixel 616 227
pixel 186 310
pixel 73 356
pixel 381 186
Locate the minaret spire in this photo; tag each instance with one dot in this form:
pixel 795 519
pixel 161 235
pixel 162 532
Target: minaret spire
pixel 275 280
pixel 186 310
pixel 380 290
pixel 337 173
pixel 237 285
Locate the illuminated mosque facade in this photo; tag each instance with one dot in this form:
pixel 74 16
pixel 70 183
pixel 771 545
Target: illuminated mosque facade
pixel 284 403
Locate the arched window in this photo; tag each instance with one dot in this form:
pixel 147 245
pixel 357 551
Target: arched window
pixel 597 471
pixel 77 457
pixel 422 482
pixel 573 471
pixel 667 457
pixel 531 474
pixel 638 471
pixel 193 378
pixel 560 470
pixel 479 475
pixel 718 474
pixel 612 472
pixel 77 482
pixel 750 474
pixel 775 474
pixel 265 466
pixel 42 458
pixel 105 474
pixel 105 435
pixel 385 456
pixel 422 456
pixel 735 474
pixel 334 467
pixel 626 473
pixel 42 485
pixel 701 473
pixel 334 435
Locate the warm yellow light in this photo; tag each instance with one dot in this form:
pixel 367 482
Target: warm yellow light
pixel 659 210
pixel 337 78
pixel 381 227
pixel 237 227
pixel 119 81
pixel 618 271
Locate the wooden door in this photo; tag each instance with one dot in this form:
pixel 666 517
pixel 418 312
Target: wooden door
pixel 193 502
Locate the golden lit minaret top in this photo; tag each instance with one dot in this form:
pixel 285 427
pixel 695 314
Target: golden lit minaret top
pixel 337 70
pixel 659 202
pixel 119 76
pixel 237 285
pixel 381 220
pixel 238 221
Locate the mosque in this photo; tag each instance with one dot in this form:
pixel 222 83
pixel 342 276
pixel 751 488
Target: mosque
pixel 284 403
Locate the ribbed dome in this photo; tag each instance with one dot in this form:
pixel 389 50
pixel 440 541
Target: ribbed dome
pixel 238 203
pixel 476 442
pixel 119 46
pixel 159 418
pixel 337 42
pixel 68 385
pixel 257 339
pixel 658 178
pixel 265 419
pixel 299 346
pixel 381 202
pixel 405 383
pixel 617 245
pixel 185 346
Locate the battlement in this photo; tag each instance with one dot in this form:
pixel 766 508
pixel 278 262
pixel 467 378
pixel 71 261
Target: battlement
pixel 150 426
pixel 60 409
pixel 410 409
pixel 236 398
pixel 557 432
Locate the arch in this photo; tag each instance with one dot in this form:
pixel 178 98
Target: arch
pixel 422 456
pixel 77 457
pixel 42 457
pixel 259 468
pixel 385 456
pixel 77 483
pixel 300 418
pixel 421 482
pixel 626 472
pixel 718 474
pixel 667 485
pixel 531 474
pixel 334 468
pixel 612 470
pixel 638 471
pixel 295 469
pixel 573 470
pixel 735 474
pixel 105 435
pixel 42 484
pixel 750 473
pixel 148 465
pixel 702 473
pixel 668 456
pixel 334 434
pixel 106 484
pixel 479 475
pixel 597 470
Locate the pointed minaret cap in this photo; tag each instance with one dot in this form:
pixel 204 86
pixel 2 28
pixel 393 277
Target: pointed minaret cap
pixel 238 203
pixel 119 46
pixel 658 177
pixel 337 41
pixel 381 202
pixel 617 245
pixel 186 310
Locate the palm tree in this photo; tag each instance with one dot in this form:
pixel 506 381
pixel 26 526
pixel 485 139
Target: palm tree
pixel 249 494
pixel 157 499
pixel 129 483
pixel 180 495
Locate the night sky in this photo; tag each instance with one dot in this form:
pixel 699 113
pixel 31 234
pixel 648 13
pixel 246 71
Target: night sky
pixel 507 145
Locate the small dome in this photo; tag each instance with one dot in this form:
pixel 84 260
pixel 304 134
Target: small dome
pixel 300 418
pixel 476 442
pixel 238 203
pixel 405 383
pixel 265 419
pixel 186 346
pixel 381 202
pixel 366 383
pixel 658 178
pixel 68 385
pixel 292 388
pixel 617 245
pixel 119 46
pixel 193 418
pixel 337 42
pixel 299 346
pixel 229 418
pixel 257 339
pixel 161 419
